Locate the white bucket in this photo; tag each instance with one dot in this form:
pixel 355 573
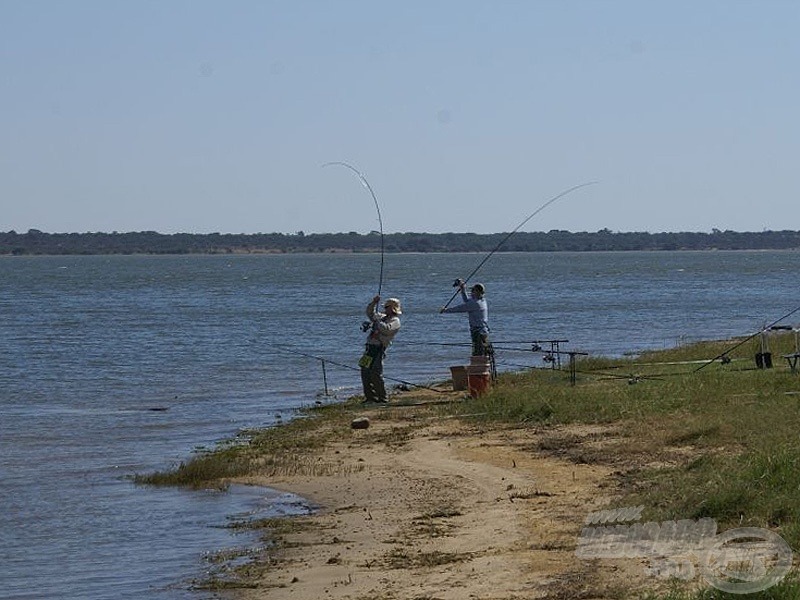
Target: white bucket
pixel 480 361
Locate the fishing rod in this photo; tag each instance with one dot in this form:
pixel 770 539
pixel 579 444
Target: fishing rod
pixel 724 355
pixel 352 368
pixel 366 184
pixel 517 228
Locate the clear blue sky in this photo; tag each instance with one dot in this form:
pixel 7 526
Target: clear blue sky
pixel 198 116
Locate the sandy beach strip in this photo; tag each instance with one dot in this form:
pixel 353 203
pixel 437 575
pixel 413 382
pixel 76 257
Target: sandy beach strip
pixel 423 506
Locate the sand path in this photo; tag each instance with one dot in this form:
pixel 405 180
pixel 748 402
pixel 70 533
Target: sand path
pixel 421 507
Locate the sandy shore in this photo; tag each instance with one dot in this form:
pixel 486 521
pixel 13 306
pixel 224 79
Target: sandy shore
pixel 422 506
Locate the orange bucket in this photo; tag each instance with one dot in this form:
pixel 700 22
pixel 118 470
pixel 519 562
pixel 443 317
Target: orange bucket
pixel 478 381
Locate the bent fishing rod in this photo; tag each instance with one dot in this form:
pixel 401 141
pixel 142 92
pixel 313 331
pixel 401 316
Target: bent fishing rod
pixel 515 230
pixel 724 355
pixel 366 184
pixel 352 368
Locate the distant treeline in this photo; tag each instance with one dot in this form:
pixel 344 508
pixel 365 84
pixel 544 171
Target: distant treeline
pixel 151 242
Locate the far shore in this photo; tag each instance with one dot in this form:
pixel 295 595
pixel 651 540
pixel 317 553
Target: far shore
pixel 35 242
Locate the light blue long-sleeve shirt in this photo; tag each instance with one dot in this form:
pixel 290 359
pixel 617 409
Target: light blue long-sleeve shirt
pixel 477 311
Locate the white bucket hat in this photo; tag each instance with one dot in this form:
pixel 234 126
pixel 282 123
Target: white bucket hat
pixel 395 304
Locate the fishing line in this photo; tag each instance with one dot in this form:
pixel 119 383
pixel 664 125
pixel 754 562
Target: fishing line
pixel 517 228
pixel 594 372
pixel 352 368
pixel 366 184
pixel 747 339
pixel 503 344
pixel 407 343
pixel 629 377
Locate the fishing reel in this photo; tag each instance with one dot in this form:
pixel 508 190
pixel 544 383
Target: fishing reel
pixel 365 326
pixel 458 282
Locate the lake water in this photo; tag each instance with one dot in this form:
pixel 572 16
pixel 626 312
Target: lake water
pixel 116 365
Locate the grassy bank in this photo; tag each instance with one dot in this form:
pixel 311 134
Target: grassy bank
pixel 687 439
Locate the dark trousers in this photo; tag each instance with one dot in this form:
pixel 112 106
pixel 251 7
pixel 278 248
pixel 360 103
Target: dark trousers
pixel 372 376
pixel 480 344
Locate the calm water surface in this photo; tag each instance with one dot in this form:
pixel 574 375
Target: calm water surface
pixel 111 366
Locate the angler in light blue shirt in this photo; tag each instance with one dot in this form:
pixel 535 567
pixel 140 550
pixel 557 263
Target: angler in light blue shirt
pixel 478 312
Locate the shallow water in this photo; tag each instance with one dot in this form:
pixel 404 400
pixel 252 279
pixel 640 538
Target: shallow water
pixel 112 366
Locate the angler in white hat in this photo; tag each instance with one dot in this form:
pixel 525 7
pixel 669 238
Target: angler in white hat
pixel 384 326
